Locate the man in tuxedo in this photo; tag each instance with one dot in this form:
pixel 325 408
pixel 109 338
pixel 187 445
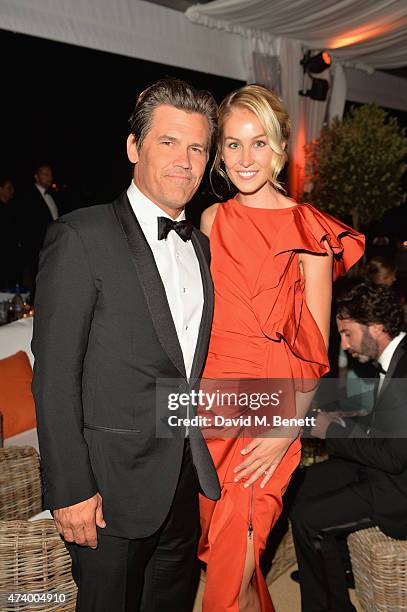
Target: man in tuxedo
pixel 39 209
pixel 122 319
pixel 364 481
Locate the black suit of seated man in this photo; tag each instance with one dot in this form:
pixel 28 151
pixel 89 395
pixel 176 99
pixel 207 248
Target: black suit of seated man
pixel 121 314
pixel 364 481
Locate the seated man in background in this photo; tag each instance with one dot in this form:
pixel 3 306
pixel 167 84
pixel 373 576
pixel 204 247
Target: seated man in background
pixel 364 481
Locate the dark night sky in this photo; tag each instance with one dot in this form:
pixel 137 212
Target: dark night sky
pixel 70 105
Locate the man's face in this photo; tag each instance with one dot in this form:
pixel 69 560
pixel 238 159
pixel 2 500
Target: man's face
pixel 44 177
pixel 358 340
pixel 172 158
pixel 6 191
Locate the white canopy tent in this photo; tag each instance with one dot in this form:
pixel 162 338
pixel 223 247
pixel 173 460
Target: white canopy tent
pixel 365 34
pixel 144 30
pixel 371 31
pixel 132 28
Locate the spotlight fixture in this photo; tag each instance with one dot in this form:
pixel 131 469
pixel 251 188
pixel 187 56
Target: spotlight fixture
pixel 318 91
pixel 317 63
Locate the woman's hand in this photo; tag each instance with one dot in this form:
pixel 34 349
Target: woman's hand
pixel 263 457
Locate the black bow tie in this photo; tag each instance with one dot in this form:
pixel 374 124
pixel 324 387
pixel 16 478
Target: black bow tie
pixel 183 228
pixel 380 369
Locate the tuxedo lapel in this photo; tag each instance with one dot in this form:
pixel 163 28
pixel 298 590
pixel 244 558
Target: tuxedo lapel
pixel 150 281
pixel 207 311
pixel 201 457
pixel 397 355
pixel 160 312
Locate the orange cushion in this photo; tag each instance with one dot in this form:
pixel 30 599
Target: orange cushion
pixel 16 400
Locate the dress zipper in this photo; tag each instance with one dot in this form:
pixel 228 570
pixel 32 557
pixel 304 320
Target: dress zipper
pixel 250 530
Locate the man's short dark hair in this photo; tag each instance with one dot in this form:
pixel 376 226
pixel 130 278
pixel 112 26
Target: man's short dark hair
pixel 179 94
pixel 41 164
pixel 367 304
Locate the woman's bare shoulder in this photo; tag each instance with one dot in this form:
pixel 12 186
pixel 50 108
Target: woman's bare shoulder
pixel 208 217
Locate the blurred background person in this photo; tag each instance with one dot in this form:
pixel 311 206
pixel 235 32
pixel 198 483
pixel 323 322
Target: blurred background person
pixel 381 270
pixel 39 208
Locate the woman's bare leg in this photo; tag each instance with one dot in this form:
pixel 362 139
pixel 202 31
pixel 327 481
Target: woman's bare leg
pixel 248 598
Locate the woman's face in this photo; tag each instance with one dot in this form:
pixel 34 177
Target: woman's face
pixel 246 151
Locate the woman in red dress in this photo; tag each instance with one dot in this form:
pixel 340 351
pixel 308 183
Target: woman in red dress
pixel 273 262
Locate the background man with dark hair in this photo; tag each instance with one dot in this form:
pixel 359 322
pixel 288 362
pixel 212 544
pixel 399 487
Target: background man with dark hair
pixel 364 482
pixel 38 210
pixel 124 297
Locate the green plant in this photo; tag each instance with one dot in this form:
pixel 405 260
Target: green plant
pixel 356 166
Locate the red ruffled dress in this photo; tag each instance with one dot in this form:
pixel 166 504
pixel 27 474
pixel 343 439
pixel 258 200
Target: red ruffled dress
pixel 262 328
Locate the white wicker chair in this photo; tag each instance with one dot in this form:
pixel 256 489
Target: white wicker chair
pixel 380 569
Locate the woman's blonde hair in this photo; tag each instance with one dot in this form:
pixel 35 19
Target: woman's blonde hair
pixel 273 117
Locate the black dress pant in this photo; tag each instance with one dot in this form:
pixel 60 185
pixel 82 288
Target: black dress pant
pixel 159 573
pixel 333 499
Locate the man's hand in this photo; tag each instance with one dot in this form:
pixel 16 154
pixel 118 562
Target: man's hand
pixel 77 523
pixel 322 422
pixel 263 457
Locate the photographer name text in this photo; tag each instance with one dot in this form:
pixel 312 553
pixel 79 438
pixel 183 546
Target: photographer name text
pixel 240 421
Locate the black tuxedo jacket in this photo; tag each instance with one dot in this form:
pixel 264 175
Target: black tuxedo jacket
pixel 380 445
pixel 36 217
pixel 103 335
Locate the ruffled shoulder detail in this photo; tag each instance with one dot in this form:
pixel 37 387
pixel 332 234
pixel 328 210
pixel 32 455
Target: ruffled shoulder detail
pixel 304 228
pixel 278 300
pixel 312 227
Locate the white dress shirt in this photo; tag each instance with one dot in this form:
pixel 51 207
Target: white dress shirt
pixel 387 355
pixel 49 200
pixel 178 266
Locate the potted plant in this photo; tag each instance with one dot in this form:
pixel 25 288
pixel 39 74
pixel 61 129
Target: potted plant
pixel 355 167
